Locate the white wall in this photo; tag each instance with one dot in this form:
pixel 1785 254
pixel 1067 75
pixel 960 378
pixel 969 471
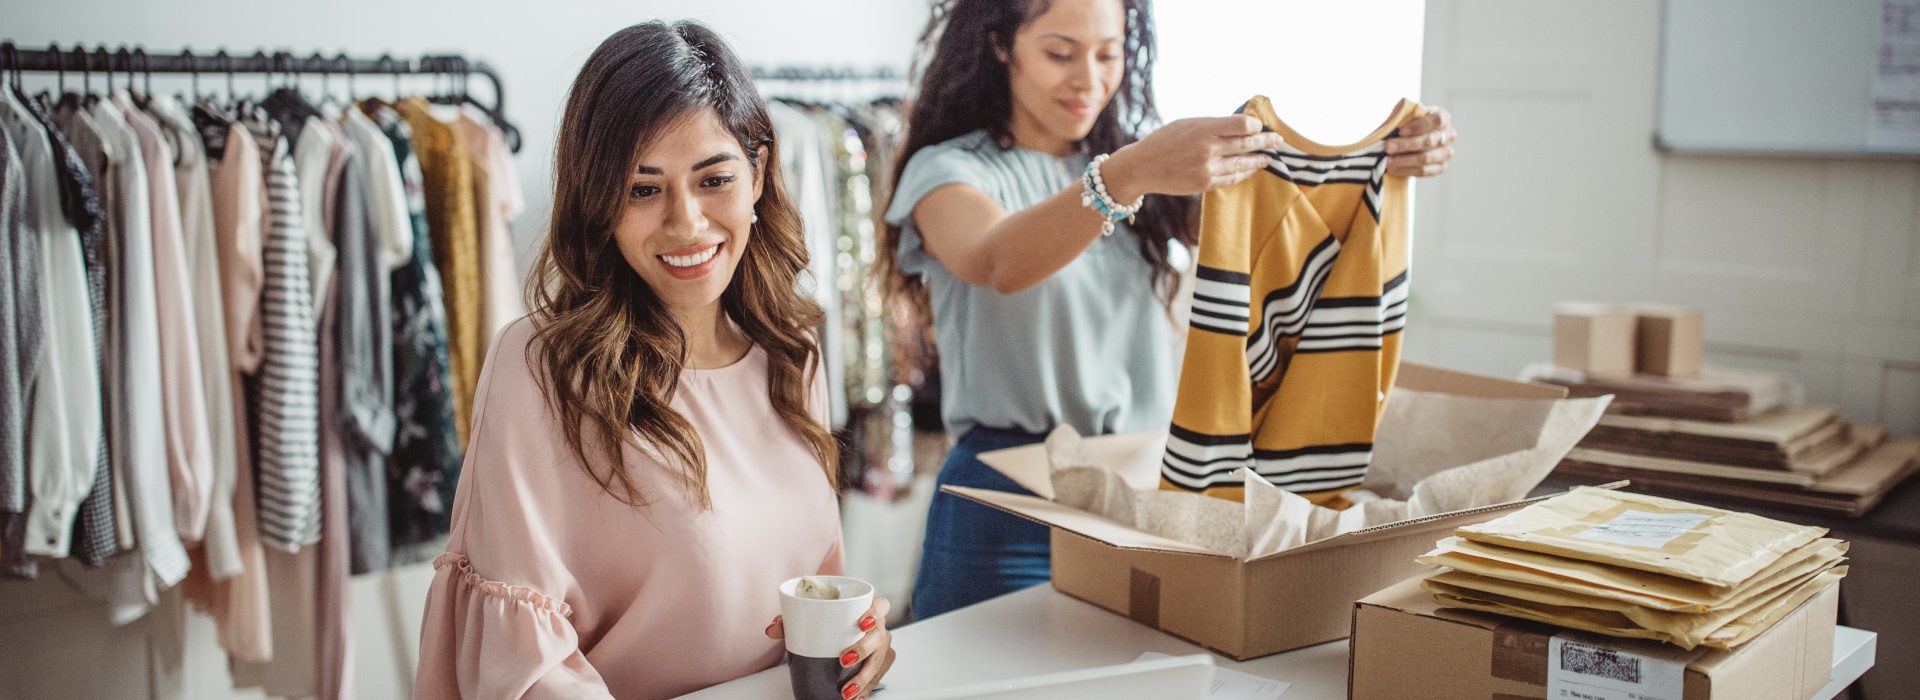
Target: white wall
pixel 54 643
pixel 1809 266
pixel 1331 83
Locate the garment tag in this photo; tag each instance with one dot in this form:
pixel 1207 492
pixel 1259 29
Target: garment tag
pixel 1581 670
pixel 1639 528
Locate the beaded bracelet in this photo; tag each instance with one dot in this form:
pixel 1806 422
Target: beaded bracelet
pixel 1093 195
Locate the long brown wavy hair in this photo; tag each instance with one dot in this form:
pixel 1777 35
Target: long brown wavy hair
pixel 610 350
pixel 964 87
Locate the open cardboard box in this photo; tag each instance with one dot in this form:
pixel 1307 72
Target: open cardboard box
pixel 1240 608
pixel 1407 646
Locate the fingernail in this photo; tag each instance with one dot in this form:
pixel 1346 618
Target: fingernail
pixel 848 658
pixel 849 691
pixel 866 623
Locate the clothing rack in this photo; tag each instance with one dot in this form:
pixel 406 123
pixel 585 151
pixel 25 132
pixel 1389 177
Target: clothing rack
pixel 137 61
pixel 825 74
pixel 830 85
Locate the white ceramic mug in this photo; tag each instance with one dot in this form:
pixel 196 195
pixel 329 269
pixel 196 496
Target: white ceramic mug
pixel 818 631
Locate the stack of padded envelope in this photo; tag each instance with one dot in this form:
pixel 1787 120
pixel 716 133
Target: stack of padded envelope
pixel 1631 565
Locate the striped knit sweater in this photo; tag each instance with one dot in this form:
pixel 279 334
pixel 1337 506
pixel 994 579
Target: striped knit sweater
pixel 1300 298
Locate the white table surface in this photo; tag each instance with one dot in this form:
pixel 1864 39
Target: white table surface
pixel 1039 630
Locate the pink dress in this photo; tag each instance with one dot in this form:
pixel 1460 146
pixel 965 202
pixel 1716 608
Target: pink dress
pixel 552 588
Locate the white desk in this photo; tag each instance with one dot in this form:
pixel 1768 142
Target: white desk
pixel 1039 631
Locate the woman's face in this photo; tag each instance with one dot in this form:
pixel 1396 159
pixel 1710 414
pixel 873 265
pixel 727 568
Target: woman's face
pixel 1066 64
pixel 688 212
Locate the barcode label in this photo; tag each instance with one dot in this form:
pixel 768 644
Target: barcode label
pixel 1594 670
pixel 1595 661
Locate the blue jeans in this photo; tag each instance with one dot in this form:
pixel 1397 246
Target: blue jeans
pixel 973 552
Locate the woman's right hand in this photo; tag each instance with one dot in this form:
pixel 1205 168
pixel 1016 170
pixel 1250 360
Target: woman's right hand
pixel 1189 156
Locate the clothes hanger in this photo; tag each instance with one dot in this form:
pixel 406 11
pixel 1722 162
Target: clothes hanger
pixel 106 61
pixel 326 67
pixel 266 77
pixel 86 76
pixel 346 66
pixel 137 61
pixel 12 56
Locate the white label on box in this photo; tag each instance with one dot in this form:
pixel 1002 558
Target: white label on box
pixel 1639 528
pixel 1579 670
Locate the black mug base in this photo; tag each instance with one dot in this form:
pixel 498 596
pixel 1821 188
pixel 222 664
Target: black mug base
pixel 818 679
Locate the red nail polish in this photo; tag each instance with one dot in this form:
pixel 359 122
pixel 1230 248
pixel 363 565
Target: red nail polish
pixel 848 658
pixel 866 623
pixel 849 691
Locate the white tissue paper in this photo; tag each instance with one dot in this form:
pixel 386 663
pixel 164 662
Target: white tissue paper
pixel 1434 453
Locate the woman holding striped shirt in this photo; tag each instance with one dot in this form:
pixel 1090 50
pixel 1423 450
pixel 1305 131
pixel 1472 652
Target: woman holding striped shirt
pixel 1040 319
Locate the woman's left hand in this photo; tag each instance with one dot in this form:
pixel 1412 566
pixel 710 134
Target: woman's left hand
pixel 875 647
pixel 1424 147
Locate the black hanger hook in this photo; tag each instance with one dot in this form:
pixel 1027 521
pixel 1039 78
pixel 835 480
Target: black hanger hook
pixel 385 64
pixel 59 68
pixel 226 62
pixel 126 65
pixel 346 66
pixel 146 69
pixel 86 69
pixel 266 67
pixel 13 63
pixel 193 71
pixel 107 57
pixel 326 73
pixel 291 65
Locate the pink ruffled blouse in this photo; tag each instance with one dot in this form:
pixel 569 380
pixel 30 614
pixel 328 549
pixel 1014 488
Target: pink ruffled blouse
pixel 552 588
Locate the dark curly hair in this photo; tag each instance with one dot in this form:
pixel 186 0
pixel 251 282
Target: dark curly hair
pixel 963 87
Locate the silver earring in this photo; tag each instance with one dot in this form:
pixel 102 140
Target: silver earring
pixel 756 217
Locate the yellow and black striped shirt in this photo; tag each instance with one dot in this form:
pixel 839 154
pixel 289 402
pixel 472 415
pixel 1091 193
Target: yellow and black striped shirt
pixel 1298 304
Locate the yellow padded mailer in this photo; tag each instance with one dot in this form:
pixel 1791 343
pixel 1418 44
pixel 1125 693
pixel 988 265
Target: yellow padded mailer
pixel 1629 586
pixel 1658 535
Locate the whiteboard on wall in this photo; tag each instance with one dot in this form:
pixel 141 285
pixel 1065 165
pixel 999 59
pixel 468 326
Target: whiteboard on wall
pixel 1797 77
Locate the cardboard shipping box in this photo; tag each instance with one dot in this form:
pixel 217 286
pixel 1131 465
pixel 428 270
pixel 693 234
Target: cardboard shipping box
pixel 1596 339
pixel 1671 340
pixel 1240 608
pixel 1407 646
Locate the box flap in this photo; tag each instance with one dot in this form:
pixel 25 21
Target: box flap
pixel 1419 377
pixel 1077 521
pixel 1134 456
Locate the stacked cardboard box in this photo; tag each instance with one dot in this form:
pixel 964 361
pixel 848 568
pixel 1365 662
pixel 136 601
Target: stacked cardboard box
pixel 1606 594
pixel 1677 428
pixel 1406 645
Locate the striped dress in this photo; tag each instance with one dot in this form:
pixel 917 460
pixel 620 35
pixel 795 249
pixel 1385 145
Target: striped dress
pixel 1298 304
pixel 288 383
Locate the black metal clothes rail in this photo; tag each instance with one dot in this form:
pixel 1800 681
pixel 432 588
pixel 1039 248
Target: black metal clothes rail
pixel 825 74
pixel 132 61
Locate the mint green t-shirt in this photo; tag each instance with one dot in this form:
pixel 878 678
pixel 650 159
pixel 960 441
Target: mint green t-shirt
pixel 1091 346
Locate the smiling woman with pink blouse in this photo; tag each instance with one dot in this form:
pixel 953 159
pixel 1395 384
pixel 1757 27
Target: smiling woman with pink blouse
pixel 649 459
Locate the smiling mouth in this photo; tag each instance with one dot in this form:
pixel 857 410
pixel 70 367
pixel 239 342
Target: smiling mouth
pixel 1076 107
pixel 692 259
